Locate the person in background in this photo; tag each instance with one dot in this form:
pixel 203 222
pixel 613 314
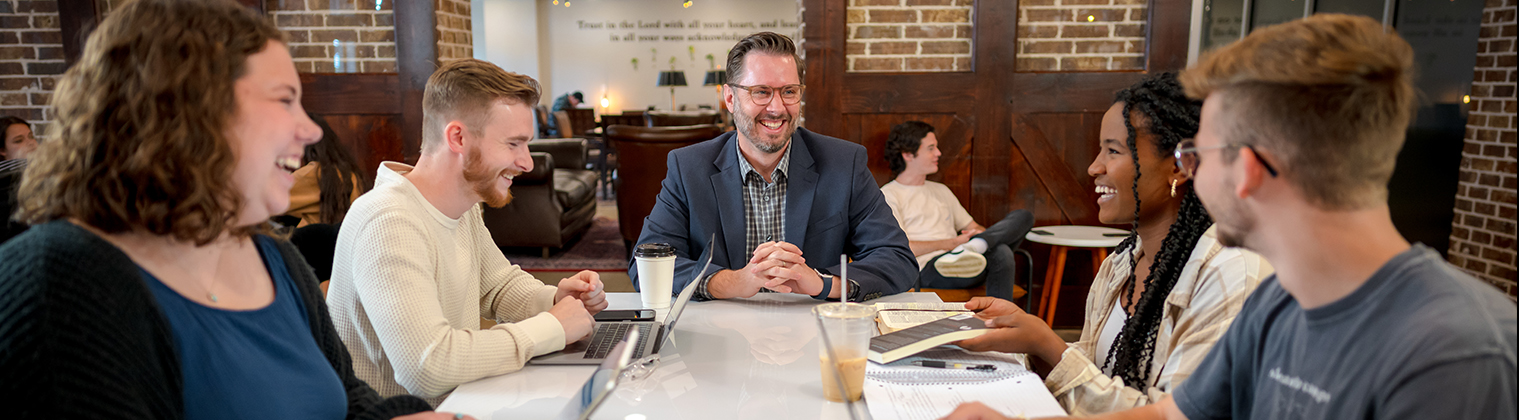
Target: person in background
pixel 563 102
pixel 415 269
pixel 19 141
pixel 146 288
pixel 1300 130
pixel 327 182
pixel 1160 301
pixel 783 203
pixel 953 251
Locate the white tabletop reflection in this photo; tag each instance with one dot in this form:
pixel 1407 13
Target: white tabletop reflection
pixel 739 359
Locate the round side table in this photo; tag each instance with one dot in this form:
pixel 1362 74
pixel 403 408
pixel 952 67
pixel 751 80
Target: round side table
pixel 1062 239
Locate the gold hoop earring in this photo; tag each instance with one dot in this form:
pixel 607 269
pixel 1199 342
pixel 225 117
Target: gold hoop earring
pixel 1173 187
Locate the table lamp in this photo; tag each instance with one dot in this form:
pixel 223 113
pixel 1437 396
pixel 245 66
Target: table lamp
pixel 672 78
pixel 716 78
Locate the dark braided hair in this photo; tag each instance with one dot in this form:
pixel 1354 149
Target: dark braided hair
pixel 338 171
pixel 1169 118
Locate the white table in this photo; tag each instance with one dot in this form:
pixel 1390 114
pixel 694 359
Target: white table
pixel 1062 239
pixel 740 359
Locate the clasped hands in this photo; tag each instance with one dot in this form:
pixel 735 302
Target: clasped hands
pixel 577 298
pixel 777 266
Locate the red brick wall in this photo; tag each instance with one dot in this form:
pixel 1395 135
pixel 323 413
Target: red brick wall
pixel 1081 35
pixel 1483 232
pixel 338 36
pixel 453 31
pixel 31 58
pixel 909 35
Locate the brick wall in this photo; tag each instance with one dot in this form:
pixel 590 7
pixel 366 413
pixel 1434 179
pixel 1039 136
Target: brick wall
pixel 338 36
pixel 454 33
pixel 1483 232
pixel 1081 35
pixel 909 35
pixel 31 58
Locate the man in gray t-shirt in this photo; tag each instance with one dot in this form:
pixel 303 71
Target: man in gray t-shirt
pixel 1419 339
pixel 1300 129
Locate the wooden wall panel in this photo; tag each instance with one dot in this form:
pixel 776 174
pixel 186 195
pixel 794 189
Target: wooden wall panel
pixel 371 138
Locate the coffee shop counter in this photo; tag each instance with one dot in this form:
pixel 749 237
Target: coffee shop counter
pixel 753 358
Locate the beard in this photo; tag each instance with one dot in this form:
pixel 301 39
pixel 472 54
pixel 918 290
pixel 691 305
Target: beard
pixel 483 181
pixel 1234 225
pixel 749 126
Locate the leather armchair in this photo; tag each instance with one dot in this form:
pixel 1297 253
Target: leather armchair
pixel 644 149
pixel 553 205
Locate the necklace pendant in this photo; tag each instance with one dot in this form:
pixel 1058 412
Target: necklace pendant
pixel 213 297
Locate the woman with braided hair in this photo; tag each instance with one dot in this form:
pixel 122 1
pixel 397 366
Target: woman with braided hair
pixel 1169 291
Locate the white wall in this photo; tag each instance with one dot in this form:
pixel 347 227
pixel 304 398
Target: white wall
pixel 506 33
pixel 583 47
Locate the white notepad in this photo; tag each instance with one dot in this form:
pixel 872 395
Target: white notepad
pixel 902 391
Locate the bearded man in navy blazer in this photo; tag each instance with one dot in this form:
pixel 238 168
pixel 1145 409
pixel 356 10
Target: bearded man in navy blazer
pixel 782 203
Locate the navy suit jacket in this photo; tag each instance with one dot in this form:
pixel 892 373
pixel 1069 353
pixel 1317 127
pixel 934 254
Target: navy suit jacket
pixel 833 207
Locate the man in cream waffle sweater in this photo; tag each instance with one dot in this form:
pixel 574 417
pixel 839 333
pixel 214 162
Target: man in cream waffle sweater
pixel 415 268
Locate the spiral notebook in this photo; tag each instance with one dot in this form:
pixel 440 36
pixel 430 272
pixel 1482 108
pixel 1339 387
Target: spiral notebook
pixel 901 390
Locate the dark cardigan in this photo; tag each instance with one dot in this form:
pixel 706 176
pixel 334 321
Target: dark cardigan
pixel 81 336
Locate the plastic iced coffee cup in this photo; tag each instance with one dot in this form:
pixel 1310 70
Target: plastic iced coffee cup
pixel 656 274
pixel 849 327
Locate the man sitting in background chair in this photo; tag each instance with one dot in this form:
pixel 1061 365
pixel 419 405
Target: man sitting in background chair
pixel 953 251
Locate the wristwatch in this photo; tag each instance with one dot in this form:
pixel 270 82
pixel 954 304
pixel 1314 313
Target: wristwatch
pixel 854 287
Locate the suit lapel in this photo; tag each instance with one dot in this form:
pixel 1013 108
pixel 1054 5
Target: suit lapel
pixel 801 183
pixel 727 187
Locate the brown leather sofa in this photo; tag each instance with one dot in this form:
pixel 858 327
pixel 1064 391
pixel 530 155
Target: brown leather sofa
pixel 553 205
pixel 642 151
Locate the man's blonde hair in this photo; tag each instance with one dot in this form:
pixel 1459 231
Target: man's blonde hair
pixel 1327 97
pixel 464 90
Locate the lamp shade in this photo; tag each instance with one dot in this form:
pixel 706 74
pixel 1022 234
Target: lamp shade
pixel 716 78
pixel 672 78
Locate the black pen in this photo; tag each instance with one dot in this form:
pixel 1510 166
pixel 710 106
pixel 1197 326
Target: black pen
pixel 953 365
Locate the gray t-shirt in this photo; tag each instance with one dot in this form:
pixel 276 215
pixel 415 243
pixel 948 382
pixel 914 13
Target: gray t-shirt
pixel 1419 339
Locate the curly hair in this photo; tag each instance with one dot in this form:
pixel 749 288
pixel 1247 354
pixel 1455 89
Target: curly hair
pixel 337 171
pixel 904 138
pixel 141 140
pixel 1158 108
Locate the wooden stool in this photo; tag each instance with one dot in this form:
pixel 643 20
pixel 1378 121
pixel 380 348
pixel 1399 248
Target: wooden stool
pixel 1062 239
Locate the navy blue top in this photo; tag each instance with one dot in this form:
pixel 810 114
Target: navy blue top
pixel 254 364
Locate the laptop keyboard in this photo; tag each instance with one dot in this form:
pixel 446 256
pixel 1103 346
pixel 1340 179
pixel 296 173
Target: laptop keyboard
pixel 609 334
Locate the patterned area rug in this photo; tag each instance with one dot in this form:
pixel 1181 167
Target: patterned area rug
pixel 600 249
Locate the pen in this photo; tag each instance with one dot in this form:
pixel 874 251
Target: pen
pixel 953 365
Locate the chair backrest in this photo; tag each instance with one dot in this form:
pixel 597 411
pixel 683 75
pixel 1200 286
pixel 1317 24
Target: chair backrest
pixel 608 120
pixel 638 184
pixel 669 119
pixel 542 114
pixel 580 120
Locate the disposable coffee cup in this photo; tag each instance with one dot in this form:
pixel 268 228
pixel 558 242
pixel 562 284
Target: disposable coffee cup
pixel 656 274
pixel 849 327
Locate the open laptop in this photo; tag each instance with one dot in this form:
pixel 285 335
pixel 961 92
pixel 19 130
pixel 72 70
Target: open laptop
pixel 602 382
pixel 595 349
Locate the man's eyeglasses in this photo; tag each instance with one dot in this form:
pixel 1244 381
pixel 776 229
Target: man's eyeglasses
pixel 762 95
pixel 1186 157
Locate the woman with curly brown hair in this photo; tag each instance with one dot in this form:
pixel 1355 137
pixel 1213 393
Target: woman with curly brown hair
pixel 146 288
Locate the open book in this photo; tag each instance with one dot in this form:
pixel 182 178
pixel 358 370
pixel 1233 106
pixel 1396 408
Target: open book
pixel 902 391
pixel 893 317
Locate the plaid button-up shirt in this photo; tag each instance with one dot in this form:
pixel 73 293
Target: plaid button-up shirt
pixel 764 209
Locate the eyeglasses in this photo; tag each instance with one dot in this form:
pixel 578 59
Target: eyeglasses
pixel 1186 156
pixel 762 95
